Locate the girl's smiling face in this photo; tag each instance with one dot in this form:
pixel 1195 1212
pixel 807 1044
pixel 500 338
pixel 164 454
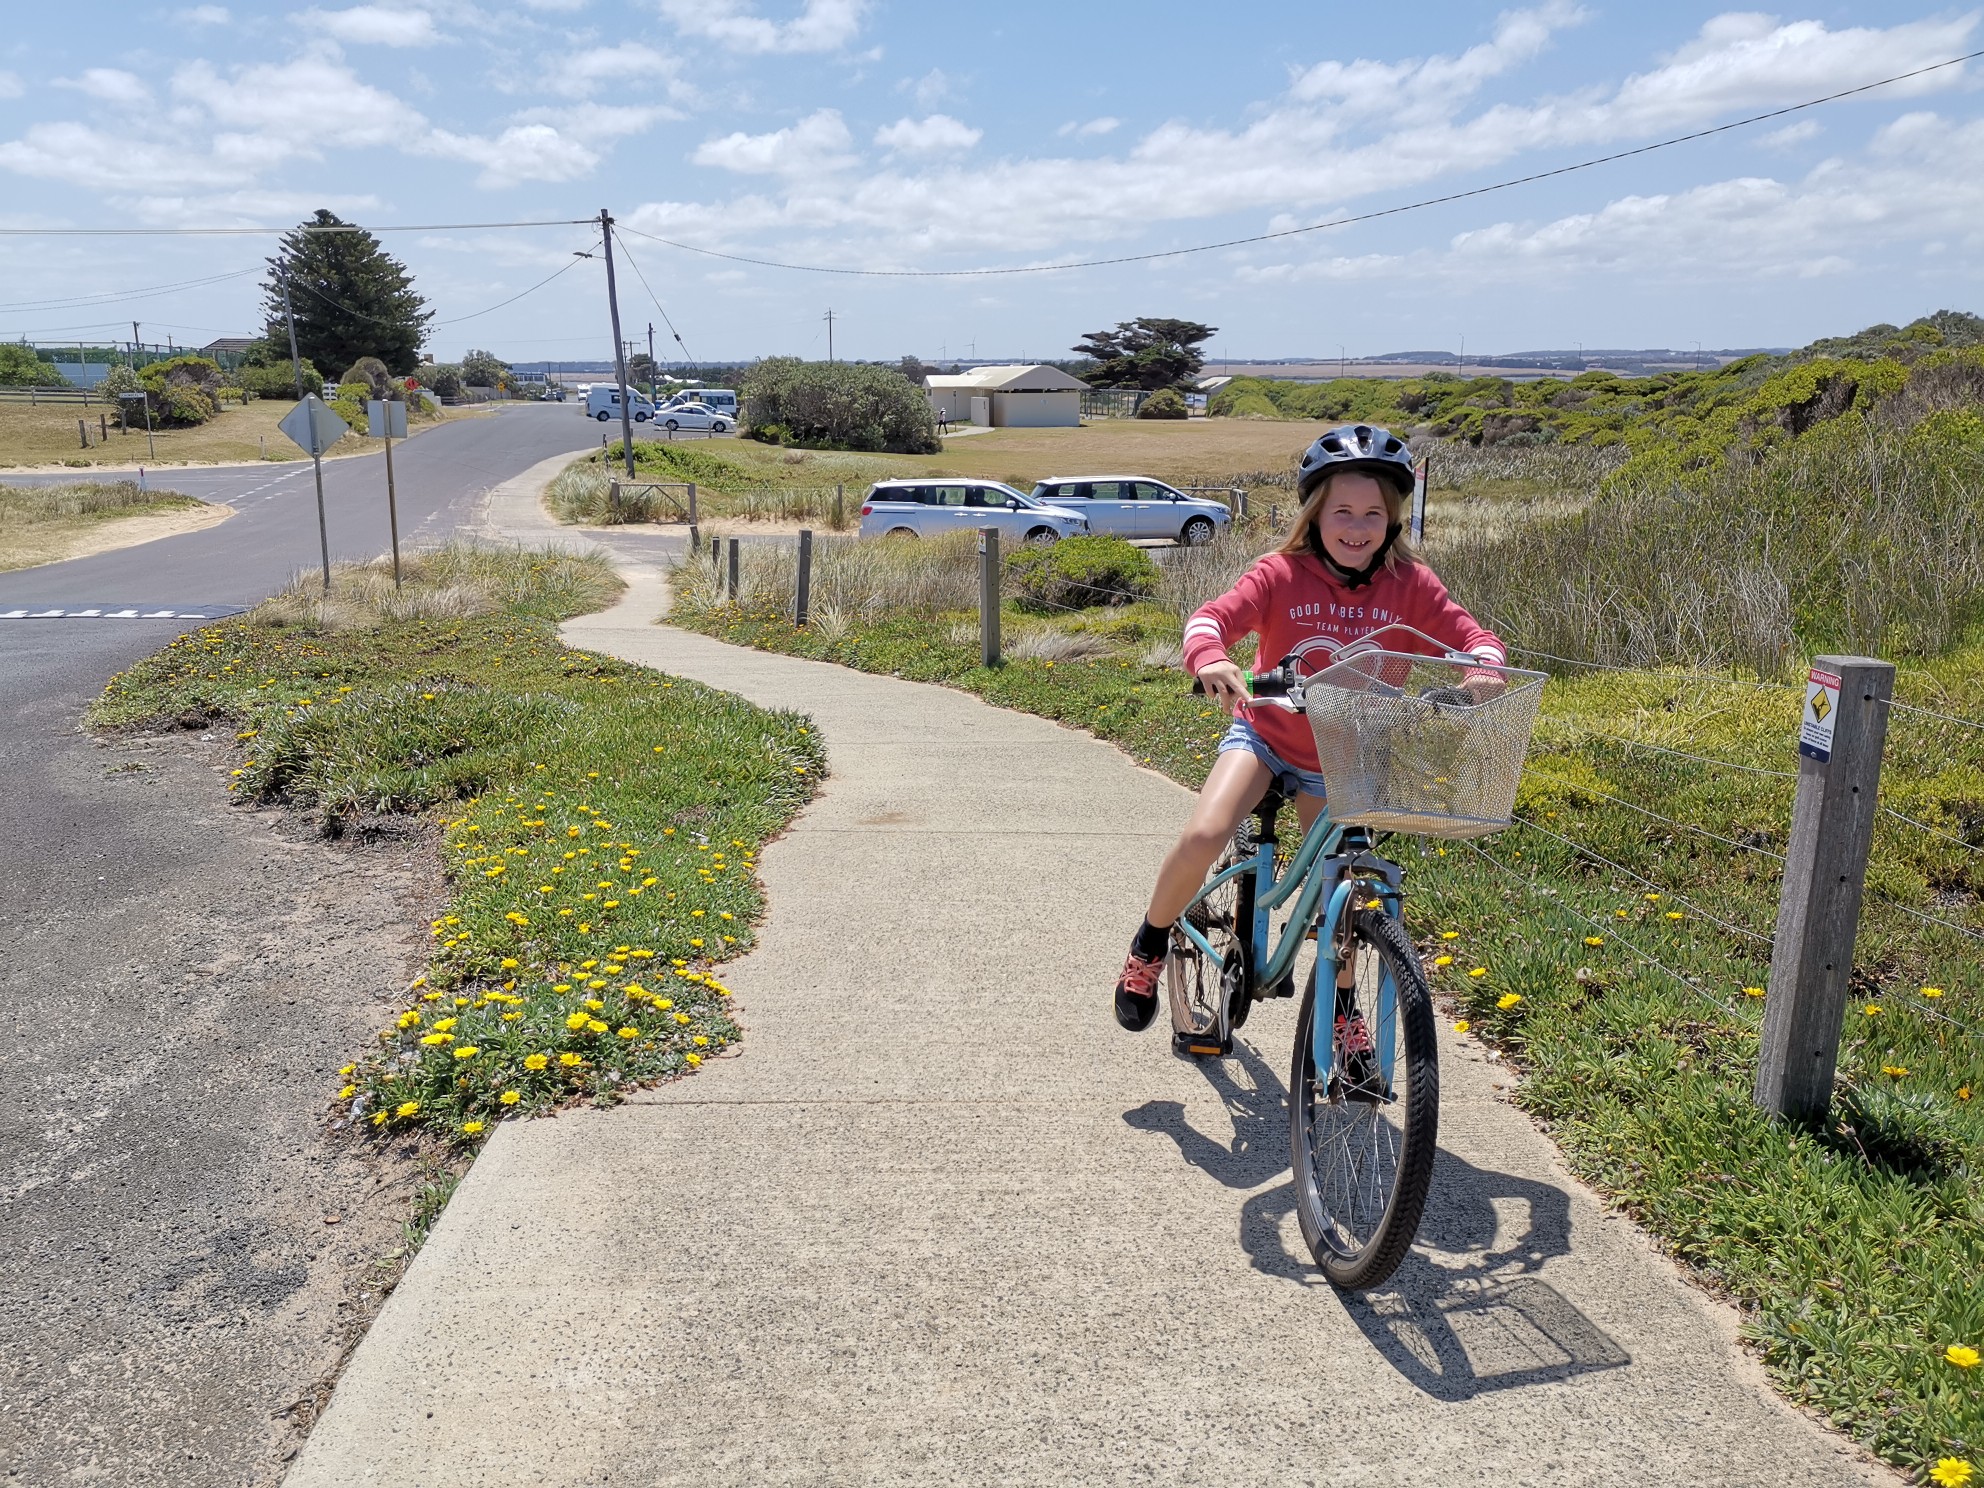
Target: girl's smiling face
pixel 1353 519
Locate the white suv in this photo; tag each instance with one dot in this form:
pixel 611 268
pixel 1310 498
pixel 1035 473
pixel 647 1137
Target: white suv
pixel 1136 506
pixel 923 508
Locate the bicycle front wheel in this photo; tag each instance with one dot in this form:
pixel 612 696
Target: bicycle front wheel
pixel 1364 1108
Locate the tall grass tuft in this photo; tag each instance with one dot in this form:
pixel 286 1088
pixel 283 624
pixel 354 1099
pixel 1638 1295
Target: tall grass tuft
pixel 852 579
pixel 450 583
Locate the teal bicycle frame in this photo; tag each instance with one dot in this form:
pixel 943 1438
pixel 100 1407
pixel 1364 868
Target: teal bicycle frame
pixel 1341 851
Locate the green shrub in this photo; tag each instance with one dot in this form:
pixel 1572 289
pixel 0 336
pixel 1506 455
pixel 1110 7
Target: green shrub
pixel 443 378
pixel 1080 573
pixel 1165 403
pixel 348 402
pixel 836 405
pixel 20 366
pixel 277 381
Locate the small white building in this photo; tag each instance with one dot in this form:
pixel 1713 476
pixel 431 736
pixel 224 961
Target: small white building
pixel 1034 397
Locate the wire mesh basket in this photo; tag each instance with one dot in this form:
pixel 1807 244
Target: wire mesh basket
pixel 1422 744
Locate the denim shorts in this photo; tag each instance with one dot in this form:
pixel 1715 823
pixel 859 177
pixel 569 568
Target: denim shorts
pixel 1287 778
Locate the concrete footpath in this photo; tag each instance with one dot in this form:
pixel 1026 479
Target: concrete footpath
pixel 941 1221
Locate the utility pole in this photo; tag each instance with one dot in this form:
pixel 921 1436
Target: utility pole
pixel 654 367
pixel 316 456
pixel 619 347
pixel 1462 372
pixel 1339 359
pixel 830 333
pixel 134 346
pixel 295 362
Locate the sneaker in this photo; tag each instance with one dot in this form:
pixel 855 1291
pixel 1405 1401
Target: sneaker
pixel 1136 992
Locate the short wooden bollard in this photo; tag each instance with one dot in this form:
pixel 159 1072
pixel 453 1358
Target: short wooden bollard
pixel 693 523
pixel 1825 867
pixel 988 596
pixel 83 432
pixel 731 585
pixel 695 540
pixel 802 604
pixel 716 554
pixel 840 505
pixel 613 498
pixel 102 428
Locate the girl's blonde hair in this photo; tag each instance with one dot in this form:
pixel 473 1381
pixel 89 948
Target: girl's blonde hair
pixel 1303 537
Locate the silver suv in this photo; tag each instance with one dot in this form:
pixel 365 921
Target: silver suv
pixel 1136 506
pixel 923 508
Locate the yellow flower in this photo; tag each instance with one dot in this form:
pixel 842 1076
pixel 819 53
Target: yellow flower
pixel 1450 935
pixel 409 1019
pixel 442 1025
pixel 510 1097
pixel 593 1002
pixel 509 963
pixel 470 1128
pixel 1952 1472
pixel 1651 898
pixel 1872 1009
pixel 536 1061
pixel 348 1092
pixel 1479 971
pixel 664 1003
pixel 1594 940
pixel 1962 1355
pixel 467 1051
pixel 692 1060
pixel 1894 1071
pixel 681 1017
pixel 1932 991
pixel 568 1060
pixel 436 1039
pixel 1443 960
pixel 1462 1026
pixel 407 1108
pixel 701 1041
pixel 1673 914
pixel 1508 1000
pixel 577 1021
pixel 595 1026
pixel 1753 991
pixel 629 1032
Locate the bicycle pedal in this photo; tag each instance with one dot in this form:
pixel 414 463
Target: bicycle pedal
pixel 1200 1045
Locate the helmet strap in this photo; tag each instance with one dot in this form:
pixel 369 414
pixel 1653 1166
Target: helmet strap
pixel 1354 578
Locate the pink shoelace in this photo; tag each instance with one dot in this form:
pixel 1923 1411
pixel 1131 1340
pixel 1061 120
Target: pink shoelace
pixel 1139 977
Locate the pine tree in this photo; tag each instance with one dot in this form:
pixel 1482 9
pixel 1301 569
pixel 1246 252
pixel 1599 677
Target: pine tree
pixel 351 299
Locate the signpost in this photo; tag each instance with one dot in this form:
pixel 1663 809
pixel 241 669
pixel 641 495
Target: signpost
pixel 388 421
pixel 313 427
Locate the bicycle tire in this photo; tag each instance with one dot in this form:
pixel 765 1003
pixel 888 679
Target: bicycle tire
pixel 1362 1150
pixel 1202 1002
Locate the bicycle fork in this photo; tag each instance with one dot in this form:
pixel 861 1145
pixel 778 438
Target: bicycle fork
pixel 1351 1044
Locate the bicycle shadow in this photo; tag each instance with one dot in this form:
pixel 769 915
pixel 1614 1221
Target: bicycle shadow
pixel 1465 1314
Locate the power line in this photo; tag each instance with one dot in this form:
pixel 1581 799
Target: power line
pixel 1291 232
pixel 246 232
pixel 115 296
pixel 454 320
pixel 686 354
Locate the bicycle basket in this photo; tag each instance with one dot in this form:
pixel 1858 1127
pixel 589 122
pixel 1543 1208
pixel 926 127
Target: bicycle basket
pixel 1397 761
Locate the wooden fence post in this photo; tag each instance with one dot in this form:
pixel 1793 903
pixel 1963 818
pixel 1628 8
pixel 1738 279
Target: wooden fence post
pixel 731 586
pixel 803 602
pixel 988 596
pixel 695 540
pixel 840 505
pixel 613 498
pixel 1239 503
pixel 1825 865
pixel 716 553
pixel 693 523
pixel 102 428
pixel 83 432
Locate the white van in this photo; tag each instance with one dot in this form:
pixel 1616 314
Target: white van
pixel 716 400
pixel 603 403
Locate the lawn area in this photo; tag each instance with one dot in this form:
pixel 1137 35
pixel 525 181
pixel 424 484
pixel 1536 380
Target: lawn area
pixel 600 822
pixel 45 524
pixel 45 434
pixel 1614 944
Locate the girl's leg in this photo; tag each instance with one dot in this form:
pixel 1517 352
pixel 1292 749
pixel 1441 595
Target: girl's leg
pixel 1234 788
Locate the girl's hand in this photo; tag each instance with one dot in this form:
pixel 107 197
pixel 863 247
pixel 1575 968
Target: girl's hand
pixel 1227 684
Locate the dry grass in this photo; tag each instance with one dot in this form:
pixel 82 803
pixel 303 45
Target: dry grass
pixel 44 524
pixel 451 583
pixel 853 580
pixel 34 435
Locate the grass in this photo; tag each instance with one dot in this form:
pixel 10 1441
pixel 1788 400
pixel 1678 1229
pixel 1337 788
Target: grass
pixel 40 524
pixel 1584 942
pixel 45 434
pixel 600 822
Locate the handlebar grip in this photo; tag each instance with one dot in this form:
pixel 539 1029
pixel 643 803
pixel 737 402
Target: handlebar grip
pixel 1273 684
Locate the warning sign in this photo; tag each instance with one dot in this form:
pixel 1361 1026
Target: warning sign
pixel 1821 713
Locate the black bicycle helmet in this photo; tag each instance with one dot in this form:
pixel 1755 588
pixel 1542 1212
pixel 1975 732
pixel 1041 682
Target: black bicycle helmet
pixel 1363 447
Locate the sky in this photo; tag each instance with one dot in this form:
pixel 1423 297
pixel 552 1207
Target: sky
pixel 880 135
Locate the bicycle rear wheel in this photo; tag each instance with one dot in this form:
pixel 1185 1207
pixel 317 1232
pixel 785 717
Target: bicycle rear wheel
pixel 1209 999
pixel 1364 1108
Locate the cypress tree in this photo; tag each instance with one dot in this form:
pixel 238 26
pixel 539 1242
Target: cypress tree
pixel 352 299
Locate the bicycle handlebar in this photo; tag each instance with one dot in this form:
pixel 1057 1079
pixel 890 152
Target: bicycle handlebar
pixel 1277 684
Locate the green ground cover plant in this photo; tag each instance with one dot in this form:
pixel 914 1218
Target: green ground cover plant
pixel 1613 944
pixel 600 822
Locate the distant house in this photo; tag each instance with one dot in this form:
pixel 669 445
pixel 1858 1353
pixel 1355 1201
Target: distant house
pixel 228 346
pixel 1013 397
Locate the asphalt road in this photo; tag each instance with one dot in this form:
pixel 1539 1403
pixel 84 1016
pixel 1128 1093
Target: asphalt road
pixel 178 981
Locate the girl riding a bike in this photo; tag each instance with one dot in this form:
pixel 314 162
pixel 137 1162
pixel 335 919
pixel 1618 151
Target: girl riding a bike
pixel 1344 571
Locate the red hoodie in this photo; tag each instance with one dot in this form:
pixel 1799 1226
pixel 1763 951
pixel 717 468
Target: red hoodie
pixel 1298 609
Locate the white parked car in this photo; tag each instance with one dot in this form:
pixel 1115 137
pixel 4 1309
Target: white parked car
pixel 923 508
pixel 717 400
pixel 692 416
pixel 1136 506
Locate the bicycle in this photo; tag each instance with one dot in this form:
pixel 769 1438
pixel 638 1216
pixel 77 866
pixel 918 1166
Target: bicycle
pixel 1364 1091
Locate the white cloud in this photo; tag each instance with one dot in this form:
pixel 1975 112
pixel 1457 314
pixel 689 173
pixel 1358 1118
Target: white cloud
pixel 205 15
pixel 1104 125
pixel 375 25
pixel 939 134
pixel 112 160
pixel 578 74
pixel 818 142
pixel 929 90
pixel 600 120
pixel 1791 134
pixel 10 85
pixel 523 152
pixel 820 26
pixel 296 106
pixel 1368 88
pixel 243 208
pixel 109 84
